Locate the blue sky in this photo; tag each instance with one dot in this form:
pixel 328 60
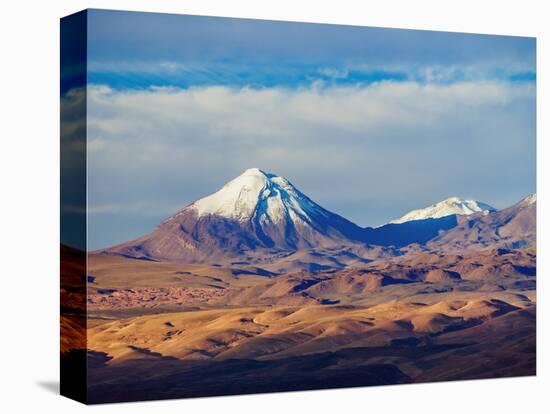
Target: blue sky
pixel 368 122
pixel 139 49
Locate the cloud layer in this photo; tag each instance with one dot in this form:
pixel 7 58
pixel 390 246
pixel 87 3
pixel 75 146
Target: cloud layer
pixel 368 152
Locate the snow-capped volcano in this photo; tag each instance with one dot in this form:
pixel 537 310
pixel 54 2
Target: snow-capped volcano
pixel 448 207
pixel 253 211
pixel 258 195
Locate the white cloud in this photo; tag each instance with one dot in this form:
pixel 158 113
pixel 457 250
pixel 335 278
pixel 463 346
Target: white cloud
pixel 249 111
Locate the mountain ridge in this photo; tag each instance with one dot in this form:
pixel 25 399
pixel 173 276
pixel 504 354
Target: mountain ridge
pixel 512 227
pixel 261 217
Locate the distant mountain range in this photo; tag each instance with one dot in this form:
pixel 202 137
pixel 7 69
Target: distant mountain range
pixel 259 218
pixel 445 208
pixel 513 227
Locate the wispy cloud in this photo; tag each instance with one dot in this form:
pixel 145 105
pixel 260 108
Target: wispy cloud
pixel 140 75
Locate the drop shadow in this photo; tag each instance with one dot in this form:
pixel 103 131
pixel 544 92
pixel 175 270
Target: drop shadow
pixel 51 386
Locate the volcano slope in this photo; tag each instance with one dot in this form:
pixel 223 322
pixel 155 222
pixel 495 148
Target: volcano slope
pixel 171 330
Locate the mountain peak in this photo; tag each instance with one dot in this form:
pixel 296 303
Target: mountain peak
pixel 237 199
pixel 254 190
pixel 256 209
pixel 530 199
pixel 451 200
pixel 255 172
pixel 447 207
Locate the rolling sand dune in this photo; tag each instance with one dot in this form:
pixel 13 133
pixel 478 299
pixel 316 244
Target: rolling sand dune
pixel 399 341
pixel 283 331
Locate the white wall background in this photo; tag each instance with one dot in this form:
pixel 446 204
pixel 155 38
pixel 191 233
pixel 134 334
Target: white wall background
pixel 29 159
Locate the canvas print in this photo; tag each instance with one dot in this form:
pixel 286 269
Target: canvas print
pixel 256 206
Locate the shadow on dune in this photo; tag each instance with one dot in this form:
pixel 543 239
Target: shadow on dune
pixel 164 379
